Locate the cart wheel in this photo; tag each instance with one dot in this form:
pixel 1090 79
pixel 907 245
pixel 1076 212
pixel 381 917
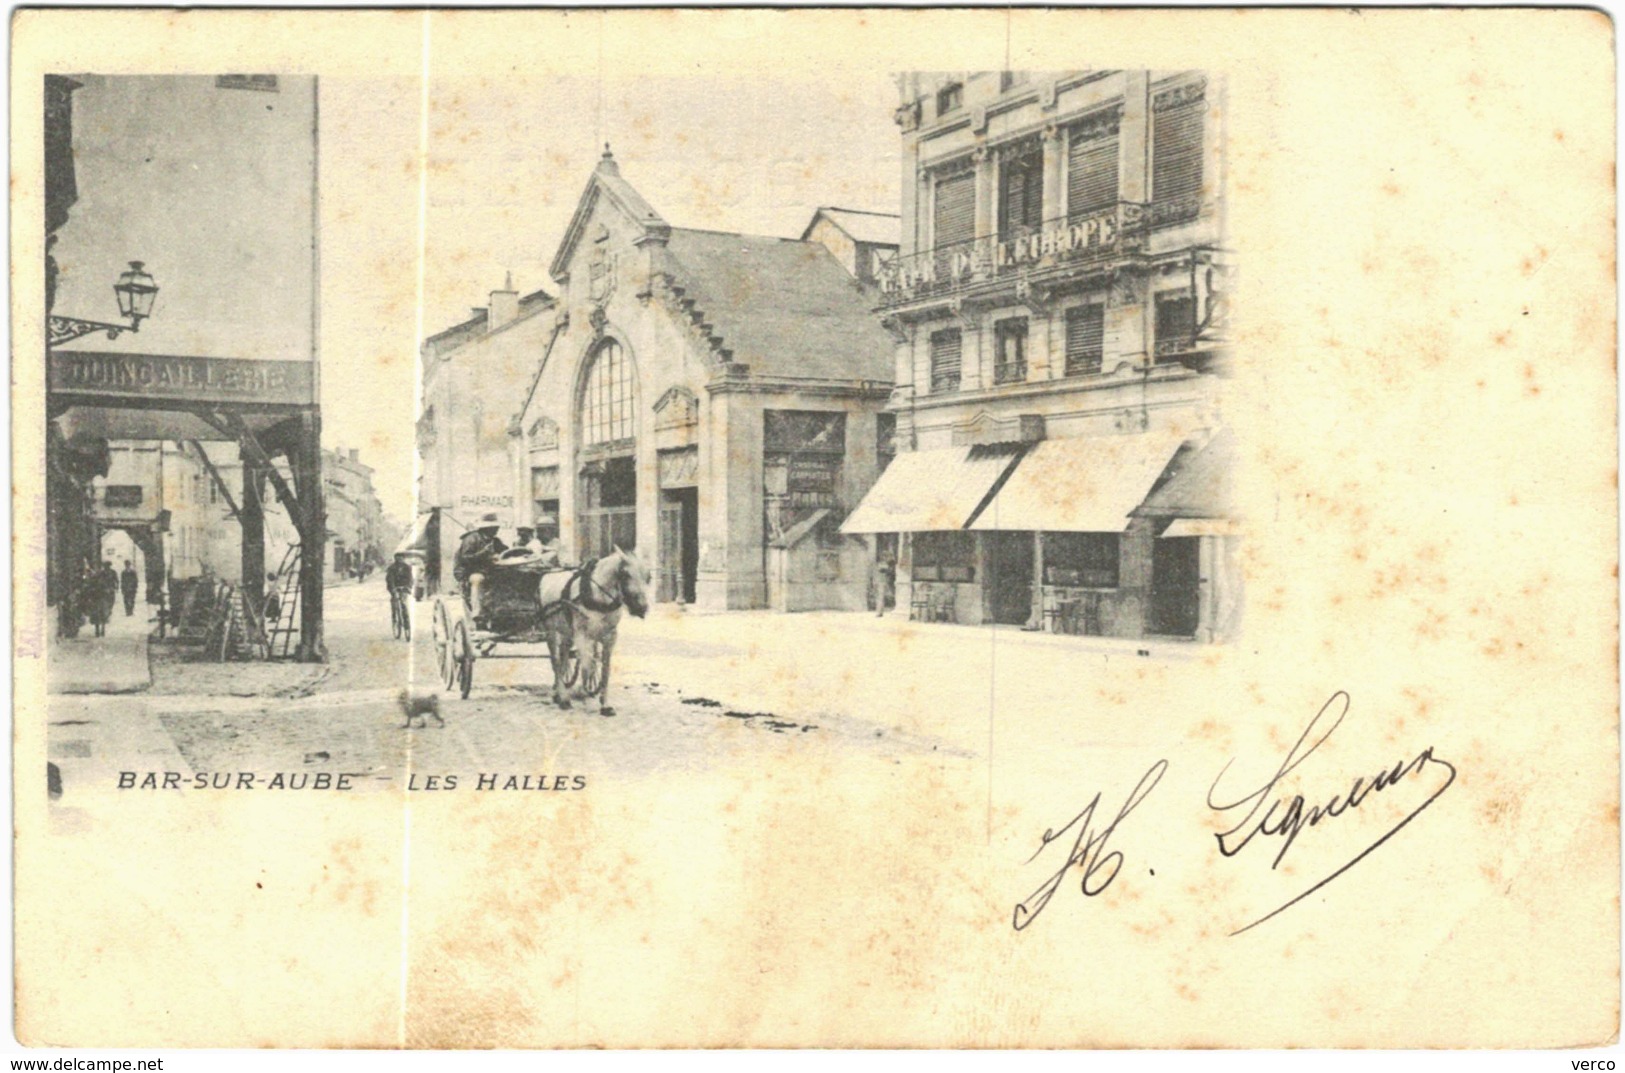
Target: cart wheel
pixel 463 654
pixel 441 629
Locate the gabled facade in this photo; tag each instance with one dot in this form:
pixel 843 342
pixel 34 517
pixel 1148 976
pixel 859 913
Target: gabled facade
pixel 712 399
pixel 1058 308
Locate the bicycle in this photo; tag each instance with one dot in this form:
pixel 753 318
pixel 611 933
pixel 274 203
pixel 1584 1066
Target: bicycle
pixel 400 615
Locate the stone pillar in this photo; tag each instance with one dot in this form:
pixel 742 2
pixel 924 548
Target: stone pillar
pixel 1036 622
pixel 1054 173
pixel 1134 138
pixel 987 176
pixel 1133 581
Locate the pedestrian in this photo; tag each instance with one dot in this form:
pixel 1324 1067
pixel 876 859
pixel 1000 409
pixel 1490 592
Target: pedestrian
pixel 885 584
pixel 103 592
pixel 128 584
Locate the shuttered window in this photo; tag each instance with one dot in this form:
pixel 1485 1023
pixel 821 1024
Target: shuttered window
pixel 1176 150
pixel 946 348
pixel 1085 339
pixel 955 214
pixel 1021 194
pixel 1091 172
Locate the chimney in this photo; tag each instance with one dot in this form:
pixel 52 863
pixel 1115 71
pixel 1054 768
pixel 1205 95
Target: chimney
pixel 355 454
pixel 504 306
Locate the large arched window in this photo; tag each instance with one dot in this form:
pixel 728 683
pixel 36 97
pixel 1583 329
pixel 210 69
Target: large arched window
pixel 607 412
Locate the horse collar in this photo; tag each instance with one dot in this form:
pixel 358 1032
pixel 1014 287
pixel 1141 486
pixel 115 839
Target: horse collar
pixel 585 584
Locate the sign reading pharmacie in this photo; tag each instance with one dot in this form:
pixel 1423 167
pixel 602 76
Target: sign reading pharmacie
pixel 164 378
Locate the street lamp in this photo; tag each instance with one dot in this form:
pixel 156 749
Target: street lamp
pixel 135 291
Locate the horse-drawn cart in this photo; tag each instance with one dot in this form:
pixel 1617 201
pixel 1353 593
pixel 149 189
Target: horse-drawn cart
pixel 514 615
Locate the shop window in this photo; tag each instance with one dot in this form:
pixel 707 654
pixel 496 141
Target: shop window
pixel 802 456
pixel 1083 560
pixel 946 556
pixel 1176 149
pixel 1010 351
pixel 1085 339
pixel 953 216
pixel 949 98
pixel 946 348
pixel 1021 192
pixel 1176 323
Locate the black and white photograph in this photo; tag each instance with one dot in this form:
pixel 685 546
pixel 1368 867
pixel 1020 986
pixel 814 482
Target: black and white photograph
pixel 568 529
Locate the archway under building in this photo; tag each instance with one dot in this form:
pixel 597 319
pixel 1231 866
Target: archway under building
pixel 268 408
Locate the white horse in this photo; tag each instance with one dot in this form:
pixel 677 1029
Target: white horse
pixel 581 610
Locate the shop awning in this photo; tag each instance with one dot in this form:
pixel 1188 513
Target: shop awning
pixel 923 491
pixel 416 542
pixel 1083 484
pixel 1199 527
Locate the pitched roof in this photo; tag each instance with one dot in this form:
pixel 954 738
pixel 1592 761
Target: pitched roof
pixel 605 182
pixel 781 306
pixel 876 228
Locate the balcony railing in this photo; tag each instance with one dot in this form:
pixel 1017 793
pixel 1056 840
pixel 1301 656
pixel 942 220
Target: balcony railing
pixel 1084 238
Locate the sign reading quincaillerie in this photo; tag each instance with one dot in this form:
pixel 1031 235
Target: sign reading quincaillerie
pixel 158 376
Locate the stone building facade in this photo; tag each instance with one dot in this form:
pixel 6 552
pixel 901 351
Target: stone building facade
pixel 712 399
pixel 1058 308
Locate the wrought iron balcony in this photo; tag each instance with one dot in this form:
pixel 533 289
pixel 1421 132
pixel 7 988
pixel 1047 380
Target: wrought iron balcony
pixel 1082 239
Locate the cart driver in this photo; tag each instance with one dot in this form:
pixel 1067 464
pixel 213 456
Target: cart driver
pixel 475 555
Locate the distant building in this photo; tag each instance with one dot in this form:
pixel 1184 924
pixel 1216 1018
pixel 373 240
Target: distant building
pixel 356 534
pixel 1059 309
pixel 712 399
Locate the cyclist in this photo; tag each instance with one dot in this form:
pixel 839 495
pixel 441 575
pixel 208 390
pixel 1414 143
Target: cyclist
pixel 398 580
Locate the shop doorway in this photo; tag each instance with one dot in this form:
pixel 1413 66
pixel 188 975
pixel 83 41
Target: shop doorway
pixel 1010 577
pixel 679 544
pixel 1175 581
pixel 609 513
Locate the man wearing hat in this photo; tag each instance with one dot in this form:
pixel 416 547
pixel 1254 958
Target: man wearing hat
pixel 547 540
pixel 478 550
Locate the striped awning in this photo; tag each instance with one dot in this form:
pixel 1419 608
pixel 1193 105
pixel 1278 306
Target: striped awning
pixel 1082 484
pixel 924 491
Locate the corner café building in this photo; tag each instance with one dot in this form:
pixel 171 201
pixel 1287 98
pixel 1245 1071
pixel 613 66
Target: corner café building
pixel 713 400
pixel 245 171
pixel 1059 305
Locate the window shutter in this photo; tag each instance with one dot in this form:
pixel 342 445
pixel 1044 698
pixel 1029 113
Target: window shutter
pixel 1176 150
pixel 1091 173
pixel 955 217
pixel 1085 339
pixel 945 356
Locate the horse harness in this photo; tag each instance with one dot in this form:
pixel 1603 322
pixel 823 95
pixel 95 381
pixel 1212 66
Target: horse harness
pixel 581 584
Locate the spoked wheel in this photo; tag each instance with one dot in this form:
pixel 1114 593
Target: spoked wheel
pixel 441 631
pixel 463 654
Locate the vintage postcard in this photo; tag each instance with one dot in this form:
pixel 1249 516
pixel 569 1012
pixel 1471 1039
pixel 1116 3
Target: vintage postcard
pixel 815 528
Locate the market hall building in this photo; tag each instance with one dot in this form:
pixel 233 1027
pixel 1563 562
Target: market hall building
pixel 713 400
pixel 1059 315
